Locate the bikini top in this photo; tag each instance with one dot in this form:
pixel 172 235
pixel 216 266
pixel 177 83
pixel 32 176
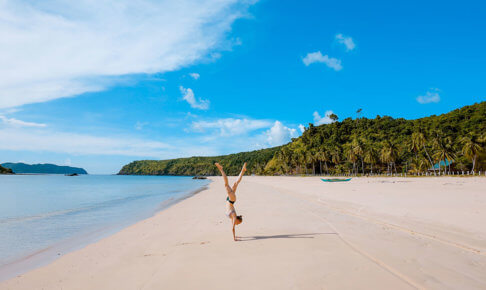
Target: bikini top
pixel 230 201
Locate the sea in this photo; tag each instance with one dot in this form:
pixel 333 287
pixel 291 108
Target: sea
pixel 42 217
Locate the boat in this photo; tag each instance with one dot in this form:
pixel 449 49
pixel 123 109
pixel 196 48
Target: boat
pixel 335 179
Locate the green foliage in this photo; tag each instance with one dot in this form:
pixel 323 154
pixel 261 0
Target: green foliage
pixel 4 170
pixel 362 145
pixel 203 165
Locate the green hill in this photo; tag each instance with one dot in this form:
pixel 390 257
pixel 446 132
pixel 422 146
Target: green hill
pixel 202 165
pixel 43 168
pixel 382 144
pixel 4 170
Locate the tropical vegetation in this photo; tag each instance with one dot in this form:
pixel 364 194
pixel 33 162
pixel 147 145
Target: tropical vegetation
pixel 441 144
pixel 4 170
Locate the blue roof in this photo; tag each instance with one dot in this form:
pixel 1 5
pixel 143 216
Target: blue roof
pixel 442 163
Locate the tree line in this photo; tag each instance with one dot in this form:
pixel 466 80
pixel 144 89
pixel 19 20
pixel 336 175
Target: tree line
pixel 437 144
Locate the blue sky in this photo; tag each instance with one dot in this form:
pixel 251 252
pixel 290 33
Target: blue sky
pixel 99 85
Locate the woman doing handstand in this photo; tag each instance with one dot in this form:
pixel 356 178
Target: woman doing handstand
pixel 231 199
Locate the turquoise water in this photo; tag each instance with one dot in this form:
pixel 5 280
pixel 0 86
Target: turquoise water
pixel 41 211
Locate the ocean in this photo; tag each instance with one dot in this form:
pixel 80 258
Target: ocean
pixel 45 216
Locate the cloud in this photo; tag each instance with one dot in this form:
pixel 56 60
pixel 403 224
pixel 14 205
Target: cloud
pixel 139 125
pixel 188 96
pixel 19 123
pixel 432 96
pixel 318 120
pixel 230 126
pixel 279 134
pixel 346 40
pixel 30 139
pixel 231 135
pixel 317 57
pixel 194 75
pixel 301 128
pixel 59 48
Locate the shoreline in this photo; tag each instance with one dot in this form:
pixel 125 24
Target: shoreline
pixel 373 232
pixel 43 257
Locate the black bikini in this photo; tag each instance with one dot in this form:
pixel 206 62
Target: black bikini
pixel 232 202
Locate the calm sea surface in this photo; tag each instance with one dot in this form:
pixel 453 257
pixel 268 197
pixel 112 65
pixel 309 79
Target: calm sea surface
pixel 38 212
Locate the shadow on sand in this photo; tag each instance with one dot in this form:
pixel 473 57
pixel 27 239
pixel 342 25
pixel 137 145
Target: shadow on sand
pixel 286 236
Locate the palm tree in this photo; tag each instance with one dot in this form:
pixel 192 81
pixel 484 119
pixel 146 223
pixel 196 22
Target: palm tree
pixel 284 157
pixel 385 158
pixel 294 161
pixel 335 156
pixel 323 155
pixel 419 141
pixel 443 150
pixel 310 157
pixel 471 147
pixel 352 157
pixel 334 117
pixel 418 164
pixel 443 153
pixel 357 148
pixel 370 156
pixel 389 154
pixel 358 112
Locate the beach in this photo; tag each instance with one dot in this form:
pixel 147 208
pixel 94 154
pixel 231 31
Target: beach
pixel 297 233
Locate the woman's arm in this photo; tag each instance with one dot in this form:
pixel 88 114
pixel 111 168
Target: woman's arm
pixel 234 224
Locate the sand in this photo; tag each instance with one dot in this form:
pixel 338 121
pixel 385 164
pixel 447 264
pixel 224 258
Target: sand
pixel 298 233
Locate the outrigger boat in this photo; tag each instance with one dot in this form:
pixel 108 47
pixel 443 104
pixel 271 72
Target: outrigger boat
pixel 335 179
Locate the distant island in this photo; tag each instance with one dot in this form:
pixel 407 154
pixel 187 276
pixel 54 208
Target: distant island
pixel 42 168
pixel 4 170
pixel 454 141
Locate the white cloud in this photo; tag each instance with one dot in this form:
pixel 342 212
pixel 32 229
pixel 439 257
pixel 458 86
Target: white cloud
pixel 194 75
pixel 29 139
pixel 139 125
pixel 19 123
pixel 59 48
pixel 432 96
pixel 314 57
pixel 346 40
pixel 230 126
pixel 188 96
pixel 279 134
pixel 301 128
pixel 318 120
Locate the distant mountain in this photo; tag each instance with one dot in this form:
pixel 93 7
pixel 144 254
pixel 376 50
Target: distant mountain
pixel 43 168
pixel 4 170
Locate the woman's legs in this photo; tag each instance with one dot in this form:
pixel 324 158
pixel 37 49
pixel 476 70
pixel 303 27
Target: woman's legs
pixel 222 173
pixel 226 183
pixel 239 178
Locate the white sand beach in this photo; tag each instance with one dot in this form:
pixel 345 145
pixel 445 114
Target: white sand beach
pixel 297 233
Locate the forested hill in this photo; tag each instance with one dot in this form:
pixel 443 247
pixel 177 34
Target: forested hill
pixel 384 144
pixel 4 170
pixel 257 160
pixel 43 168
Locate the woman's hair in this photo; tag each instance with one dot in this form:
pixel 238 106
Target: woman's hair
pixel 239 218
